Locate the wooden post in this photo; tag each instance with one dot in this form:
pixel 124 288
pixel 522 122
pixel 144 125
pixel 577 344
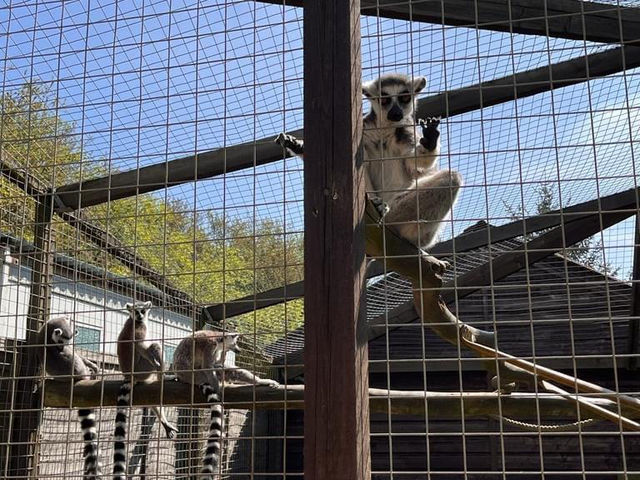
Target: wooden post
pixel 336 412
pixel 634 321
pixel 27 416
pixel 138 460
pixel 188 444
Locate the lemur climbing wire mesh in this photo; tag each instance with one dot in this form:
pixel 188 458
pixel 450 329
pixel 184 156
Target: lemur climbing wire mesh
pixel 153 160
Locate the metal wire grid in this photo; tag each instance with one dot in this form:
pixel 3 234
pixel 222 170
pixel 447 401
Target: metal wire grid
pixel 149 83
pixel 127 74
pixel 574 144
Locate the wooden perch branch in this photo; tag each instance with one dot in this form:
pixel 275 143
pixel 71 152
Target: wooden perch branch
pixel 550 374
pixel 424 272
pixel 441 405
pixel 593 409
pixel 94 393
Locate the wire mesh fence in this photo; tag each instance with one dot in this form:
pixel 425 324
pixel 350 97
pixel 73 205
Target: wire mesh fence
pixel 494 189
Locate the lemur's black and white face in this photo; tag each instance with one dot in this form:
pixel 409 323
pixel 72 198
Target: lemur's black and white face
pixel 392 96
pixel 231 342
pixel 139 311
pixel 225 342
pixel 61 331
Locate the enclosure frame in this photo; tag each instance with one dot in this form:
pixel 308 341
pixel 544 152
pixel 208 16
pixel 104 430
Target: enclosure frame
pixel 335 202
pixel 336 409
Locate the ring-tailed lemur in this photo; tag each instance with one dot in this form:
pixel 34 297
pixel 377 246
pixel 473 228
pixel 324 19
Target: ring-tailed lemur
pixel 59 360
pixel 402 177
pixel 199 360
pixel 140 361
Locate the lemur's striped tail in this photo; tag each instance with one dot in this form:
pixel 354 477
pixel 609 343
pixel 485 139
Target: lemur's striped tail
pixel 90 436
pixel 120 435
pixel 211 459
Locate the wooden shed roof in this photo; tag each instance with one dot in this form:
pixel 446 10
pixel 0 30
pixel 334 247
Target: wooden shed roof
pixel 555 310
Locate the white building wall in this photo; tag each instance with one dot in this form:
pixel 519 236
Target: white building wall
pixel 14 297
pixel 90 306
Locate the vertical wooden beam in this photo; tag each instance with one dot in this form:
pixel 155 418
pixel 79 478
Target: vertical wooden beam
pixel 188 444
pixel 634 321
pixel 138 459
pixel 27 408
pixel 336 411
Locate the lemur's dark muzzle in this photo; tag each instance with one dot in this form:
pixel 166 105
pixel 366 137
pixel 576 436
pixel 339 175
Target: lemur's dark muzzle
pixel 395 114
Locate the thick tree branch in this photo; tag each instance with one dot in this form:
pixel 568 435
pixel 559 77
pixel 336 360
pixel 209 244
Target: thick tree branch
pixel 441 405
pixel 424 272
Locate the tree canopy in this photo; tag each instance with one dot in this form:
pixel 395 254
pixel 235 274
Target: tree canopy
pixel 204 253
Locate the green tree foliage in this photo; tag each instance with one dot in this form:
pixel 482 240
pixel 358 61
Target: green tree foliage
pixel 587 252
pixel 266 259
pixel 35 140
pixel 211 258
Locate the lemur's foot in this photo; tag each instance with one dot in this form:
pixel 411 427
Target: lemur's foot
pixel 171 431
pixel 290 143
pixel 269 383
pixel 503 388
pixel 283 139
pixel 430 132
pixel 93 368
pixel 442 267
pixel 381 206
pixel 437 266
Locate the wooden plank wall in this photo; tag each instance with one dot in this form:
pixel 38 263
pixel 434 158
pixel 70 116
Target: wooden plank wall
pixel 447 451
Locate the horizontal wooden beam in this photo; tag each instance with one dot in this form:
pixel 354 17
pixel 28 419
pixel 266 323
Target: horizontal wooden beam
pixel 531 252
pixel 250 303
pixel 268 298
pixel 441 405
pixel 530 82
pixel 263 151
pixel 617 202
pixel 170 173
pixel 571 19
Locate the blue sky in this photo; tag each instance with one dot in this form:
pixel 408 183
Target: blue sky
pixel 147 82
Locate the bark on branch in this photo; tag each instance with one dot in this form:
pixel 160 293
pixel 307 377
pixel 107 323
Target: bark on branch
pixel 441 405
pixel 424 272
